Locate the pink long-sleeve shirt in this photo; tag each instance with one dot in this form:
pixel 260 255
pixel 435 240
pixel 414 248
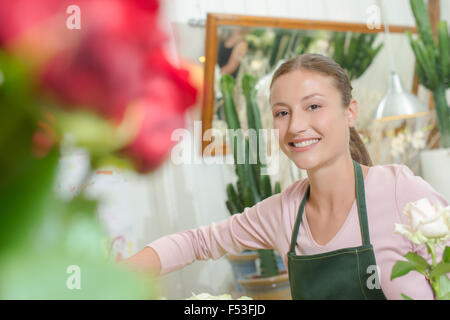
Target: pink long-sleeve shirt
pixel 270 223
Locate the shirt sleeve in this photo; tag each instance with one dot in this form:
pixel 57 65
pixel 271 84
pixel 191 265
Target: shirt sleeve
pixel 412 188
pixel 254 228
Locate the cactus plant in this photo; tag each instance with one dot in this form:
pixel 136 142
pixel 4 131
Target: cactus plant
pixel 357 56
pixel 433 64
pixel 251 186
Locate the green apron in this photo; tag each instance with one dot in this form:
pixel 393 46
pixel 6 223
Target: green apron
pixel 339 274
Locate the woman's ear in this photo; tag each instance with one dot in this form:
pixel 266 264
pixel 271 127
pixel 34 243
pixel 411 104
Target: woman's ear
pixel 352 112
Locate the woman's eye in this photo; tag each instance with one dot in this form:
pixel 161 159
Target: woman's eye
pixel 314 106
pixel 280 114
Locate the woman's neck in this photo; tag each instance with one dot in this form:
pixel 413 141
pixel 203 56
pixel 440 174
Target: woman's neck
pixel 332 186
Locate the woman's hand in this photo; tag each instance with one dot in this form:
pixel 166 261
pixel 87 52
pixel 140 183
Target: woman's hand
pixel 145 261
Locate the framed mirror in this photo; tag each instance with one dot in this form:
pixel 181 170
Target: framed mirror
pixel 237 44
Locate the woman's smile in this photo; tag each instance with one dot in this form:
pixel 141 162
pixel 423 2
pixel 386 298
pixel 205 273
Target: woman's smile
pixel 302 145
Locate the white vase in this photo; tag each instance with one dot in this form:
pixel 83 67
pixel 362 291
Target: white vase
pixel 435 165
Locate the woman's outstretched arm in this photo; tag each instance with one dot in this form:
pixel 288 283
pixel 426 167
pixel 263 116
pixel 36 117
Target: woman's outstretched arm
pixel 258 227
pixel 145 261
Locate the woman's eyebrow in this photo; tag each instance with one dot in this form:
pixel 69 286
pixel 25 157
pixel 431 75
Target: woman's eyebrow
pixel 304 98
pixel 311 95
pixel 280 104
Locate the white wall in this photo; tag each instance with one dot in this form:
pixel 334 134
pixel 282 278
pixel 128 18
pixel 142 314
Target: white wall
pixel 336 10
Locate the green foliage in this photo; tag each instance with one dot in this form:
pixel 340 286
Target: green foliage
pixel 42 235
pixel 401 268
pixel 436 274
pixel 252 187
pixel 89 131
pixel 446 255
pixel 433 64
pixel 302 43
pixel 19 116
pixel 354 52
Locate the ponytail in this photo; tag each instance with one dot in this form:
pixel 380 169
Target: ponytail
pixel 358 150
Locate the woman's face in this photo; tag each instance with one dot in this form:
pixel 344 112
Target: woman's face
pixel 313 124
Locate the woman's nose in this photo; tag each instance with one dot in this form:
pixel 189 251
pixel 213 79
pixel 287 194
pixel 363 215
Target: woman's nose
pixel 298 123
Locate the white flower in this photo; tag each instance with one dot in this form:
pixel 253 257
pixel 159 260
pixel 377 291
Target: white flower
pixel 427 222
pixel 398 145
pixel 417 140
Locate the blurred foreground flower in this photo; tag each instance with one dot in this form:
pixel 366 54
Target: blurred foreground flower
pixel 428 225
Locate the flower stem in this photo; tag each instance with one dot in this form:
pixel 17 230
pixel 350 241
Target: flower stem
pixel 434 282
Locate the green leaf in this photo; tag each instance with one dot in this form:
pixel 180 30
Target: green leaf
pixel 254 119
pixel 440 269
pixel 446 255
pixel 444 286
pixel 233 198
pixel 249 201
pixel 277 187
pixel 265 186
pixel 90 131
pixel 420 264
pixel 249 175
pixel 26 200
pixel 401 268
pixel 423 22
pixel 444 50
pixel 406 297
pixel 231 207
pixel 338 47
pixel 227 84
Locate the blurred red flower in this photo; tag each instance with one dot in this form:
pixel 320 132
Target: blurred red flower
pixel 168 88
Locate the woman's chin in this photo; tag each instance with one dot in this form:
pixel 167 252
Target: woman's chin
pixel 305 164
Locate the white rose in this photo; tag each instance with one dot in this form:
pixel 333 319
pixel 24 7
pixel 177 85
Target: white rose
pixel 426 222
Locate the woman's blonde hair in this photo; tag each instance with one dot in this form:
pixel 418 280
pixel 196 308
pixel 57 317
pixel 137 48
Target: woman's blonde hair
pixel 318 63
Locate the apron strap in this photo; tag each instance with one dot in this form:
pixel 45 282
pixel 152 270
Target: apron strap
pixel 361 203
pixel 361 206
pixel 297 222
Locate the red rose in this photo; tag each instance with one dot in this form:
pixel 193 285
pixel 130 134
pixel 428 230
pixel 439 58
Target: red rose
pixel 162 108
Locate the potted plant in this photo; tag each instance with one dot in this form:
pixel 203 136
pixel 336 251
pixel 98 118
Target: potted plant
pixel 251 188
pixel 433 69
pixel 357 55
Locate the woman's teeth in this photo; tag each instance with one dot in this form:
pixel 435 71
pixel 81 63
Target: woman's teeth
pixel 305 143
